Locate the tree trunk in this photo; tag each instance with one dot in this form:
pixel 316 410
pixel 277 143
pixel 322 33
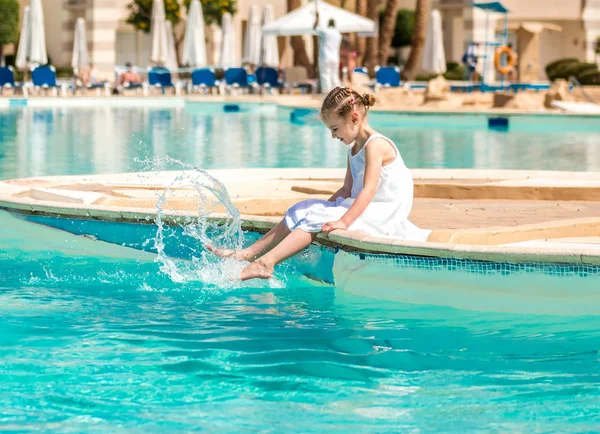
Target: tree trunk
pixel 297 42
pixel 386 33
pixel 371 53
pixel 361 41
pixel 418 40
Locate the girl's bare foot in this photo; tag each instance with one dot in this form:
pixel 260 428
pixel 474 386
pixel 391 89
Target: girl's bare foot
pixel 238 255
pixel 257 269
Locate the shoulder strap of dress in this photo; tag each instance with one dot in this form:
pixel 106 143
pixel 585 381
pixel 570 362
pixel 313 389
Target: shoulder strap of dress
pixel 381 136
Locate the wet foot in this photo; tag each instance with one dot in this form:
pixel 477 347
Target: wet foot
pixel 238 255
pixel 257 270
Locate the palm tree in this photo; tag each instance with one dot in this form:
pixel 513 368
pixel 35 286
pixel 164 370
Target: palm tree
pixel 388 26
pixel 371 53
pixel 418 40
pixel 300 55
pixel 361 42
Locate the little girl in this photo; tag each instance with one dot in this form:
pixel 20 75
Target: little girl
pixel 376 197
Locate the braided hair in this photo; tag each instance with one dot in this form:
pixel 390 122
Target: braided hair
pixel 342 100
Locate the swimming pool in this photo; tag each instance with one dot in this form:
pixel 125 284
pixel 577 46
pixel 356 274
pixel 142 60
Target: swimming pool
pixel 67 140
pixel 94 337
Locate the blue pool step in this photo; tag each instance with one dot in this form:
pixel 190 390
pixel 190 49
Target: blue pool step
pixel 231 108
pixel 498 124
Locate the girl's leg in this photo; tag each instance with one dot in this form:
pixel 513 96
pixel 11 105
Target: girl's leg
pixel 264 244
pixel 289 246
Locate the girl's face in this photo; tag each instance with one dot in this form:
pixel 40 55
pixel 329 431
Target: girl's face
pixel 344 128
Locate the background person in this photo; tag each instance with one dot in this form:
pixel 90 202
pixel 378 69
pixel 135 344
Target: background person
pixel 330 40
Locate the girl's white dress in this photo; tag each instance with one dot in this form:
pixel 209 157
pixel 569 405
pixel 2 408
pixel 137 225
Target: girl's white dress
pixel 385 216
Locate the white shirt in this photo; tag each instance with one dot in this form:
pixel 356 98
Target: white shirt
pixel 329 44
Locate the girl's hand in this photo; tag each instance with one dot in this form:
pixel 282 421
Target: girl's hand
pixel 331 226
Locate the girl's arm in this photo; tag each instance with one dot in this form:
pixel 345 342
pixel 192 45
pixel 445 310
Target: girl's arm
pixel 346 189
pixel 374 154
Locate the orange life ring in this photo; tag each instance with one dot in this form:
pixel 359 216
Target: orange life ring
pixel 510 60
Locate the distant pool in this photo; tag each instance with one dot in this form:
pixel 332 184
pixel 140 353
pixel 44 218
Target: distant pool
pixel 38 141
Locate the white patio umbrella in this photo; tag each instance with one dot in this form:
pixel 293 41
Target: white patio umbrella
pixel 32 44
pixel 252 44
pixel 269 53
pixel 301 21
pixel 24 40
pixel 80 57
pixel 158 32
pixel 194 44
pixel 171 59
pixel 227 56
pixel 434 59
pixel 38 55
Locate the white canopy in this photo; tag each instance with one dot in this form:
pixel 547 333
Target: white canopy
pixel 301 21
pixel 194 45
pixel 434 59
pixel 80 57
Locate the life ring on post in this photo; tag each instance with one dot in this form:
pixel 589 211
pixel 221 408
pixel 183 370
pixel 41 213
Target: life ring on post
pixel 510 60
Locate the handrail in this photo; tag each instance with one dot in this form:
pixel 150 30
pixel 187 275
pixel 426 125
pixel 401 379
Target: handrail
pixel 576 82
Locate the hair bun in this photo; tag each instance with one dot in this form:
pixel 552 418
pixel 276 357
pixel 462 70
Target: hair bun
pixel 368 100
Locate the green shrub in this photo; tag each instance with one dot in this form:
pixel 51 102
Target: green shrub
pixel 589 78
pixel 454 72
pixel 64 72
pixel 425 77
pixel 586 73
pixel 553 67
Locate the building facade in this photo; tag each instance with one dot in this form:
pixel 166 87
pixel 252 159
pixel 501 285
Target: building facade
pixel 558 28
pixel 113 42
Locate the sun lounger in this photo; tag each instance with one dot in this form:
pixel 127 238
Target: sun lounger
pixel 160 78
pixel 236 78
pixel 7 80
pixel 386 76
pixel 44 77
pixel 203 78
pixel 268 78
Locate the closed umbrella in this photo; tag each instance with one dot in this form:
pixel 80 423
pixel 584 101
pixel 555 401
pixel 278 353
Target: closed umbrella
pixel 80 52
pixel 158 32
pixel 252 44
pixel 194 44
pixel 38 55
pixel 269 54
pixel 227 57
pixel 171 59
pixel 24 40
pixel 434 59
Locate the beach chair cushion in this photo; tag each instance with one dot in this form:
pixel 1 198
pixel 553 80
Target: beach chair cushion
pixel 387 76
pixel 236 76
pixel 204 77
pixel 160 77
pixel 7 77
pixel 44 76
pixel 266 76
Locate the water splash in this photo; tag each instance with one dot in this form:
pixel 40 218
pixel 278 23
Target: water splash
pixel 192 233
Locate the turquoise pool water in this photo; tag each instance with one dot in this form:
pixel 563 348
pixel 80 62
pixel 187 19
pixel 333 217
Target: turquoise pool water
pixel 78 140
pixel 94 338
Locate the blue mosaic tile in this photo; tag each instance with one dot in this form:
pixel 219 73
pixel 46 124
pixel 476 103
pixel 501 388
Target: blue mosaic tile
pixel 480 267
